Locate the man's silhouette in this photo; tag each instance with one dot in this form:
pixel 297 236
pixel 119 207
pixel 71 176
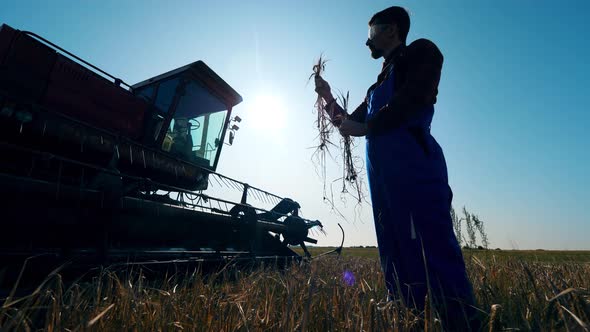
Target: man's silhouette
pixel 407 172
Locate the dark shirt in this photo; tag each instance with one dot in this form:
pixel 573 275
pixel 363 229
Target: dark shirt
pixel 417 68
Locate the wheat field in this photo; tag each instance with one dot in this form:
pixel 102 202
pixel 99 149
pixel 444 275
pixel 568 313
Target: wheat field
pixel 515 290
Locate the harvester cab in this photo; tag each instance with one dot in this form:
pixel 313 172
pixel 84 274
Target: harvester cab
pixel 191 109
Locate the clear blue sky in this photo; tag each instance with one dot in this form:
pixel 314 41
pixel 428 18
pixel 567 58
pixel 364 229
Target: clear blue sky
pixel 511 115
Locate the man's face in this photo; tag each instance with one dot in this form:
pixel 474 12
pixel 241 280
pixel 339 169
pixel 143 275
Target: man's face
pixel 380 37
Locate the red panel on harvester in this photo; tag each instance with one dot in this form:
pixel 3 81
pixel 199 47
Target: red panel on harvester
pixel 6 35
pixel 26 65
pixel 81 94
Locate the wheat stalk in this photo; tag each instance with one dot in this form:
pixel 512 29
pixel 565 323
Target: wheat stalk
pixel 325 128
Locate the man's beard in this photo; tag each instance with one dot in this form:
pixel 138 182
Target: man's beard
pixel 375 53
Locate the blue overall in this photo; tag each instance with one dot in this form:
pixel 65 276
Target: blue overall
pixel 411 202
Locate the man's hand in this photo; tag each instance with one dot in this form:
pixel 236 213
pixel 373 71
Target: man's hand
pixel 323 88
pixel 352 128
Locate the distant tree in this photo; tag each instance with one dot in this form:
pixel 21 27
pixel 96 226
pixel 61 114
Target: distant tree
pixel 473 226
pixel 478 223
pixel 471 243
pixel 456 225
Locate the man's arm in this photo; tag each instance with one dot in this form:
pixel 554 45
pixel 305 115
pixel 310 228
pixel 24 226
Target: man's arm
pixel 354 124
pixel 336 112
pixel 419 88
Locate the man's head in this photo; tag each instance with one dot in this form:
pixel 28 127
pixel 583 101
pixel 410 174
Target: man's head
pixel 387 30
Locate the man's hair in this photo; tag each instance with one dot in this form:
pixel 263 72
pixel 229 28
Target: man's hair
pixel 394 15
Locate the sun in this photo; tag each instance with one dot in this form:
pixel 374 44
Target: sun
pixel 267 111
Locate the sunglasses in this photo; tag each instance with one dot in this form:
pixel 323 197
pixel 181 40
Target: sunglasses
pixel 375 29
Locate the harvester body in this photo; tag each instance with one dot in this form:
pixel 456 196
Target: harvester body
pixel 94 167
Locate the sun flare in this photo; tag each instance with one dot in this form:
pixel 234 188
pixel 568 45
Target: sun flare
pixel 267 112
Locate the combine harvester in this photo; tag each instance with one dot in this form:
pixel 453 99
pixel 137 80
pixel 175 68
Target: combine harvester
pixel 95 170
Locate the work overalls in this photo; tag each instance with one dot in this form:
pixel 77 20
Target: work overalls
pixel 411 202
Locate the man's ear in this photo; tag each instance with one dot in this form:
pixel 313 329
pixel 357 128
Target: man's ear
pixel 394 31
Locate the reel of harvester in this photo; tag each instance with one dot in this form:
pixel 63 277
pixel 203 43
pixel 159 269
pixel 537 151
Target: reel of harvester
pixel 94 171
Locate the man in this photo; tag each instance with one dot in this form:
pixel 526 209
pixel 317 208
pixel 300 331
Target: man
pixel 407 172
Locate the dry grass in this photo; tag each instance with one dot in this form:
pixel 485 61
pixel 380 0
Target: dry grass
pixel 529 295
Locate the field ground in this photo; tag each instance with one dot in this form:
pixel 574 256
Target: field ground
pixel 524 290
pixel 582 256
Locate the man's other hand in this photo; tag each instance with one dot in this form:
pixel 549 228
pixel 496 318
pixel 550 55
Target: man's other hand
pixel 323 88
pixel 352 128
